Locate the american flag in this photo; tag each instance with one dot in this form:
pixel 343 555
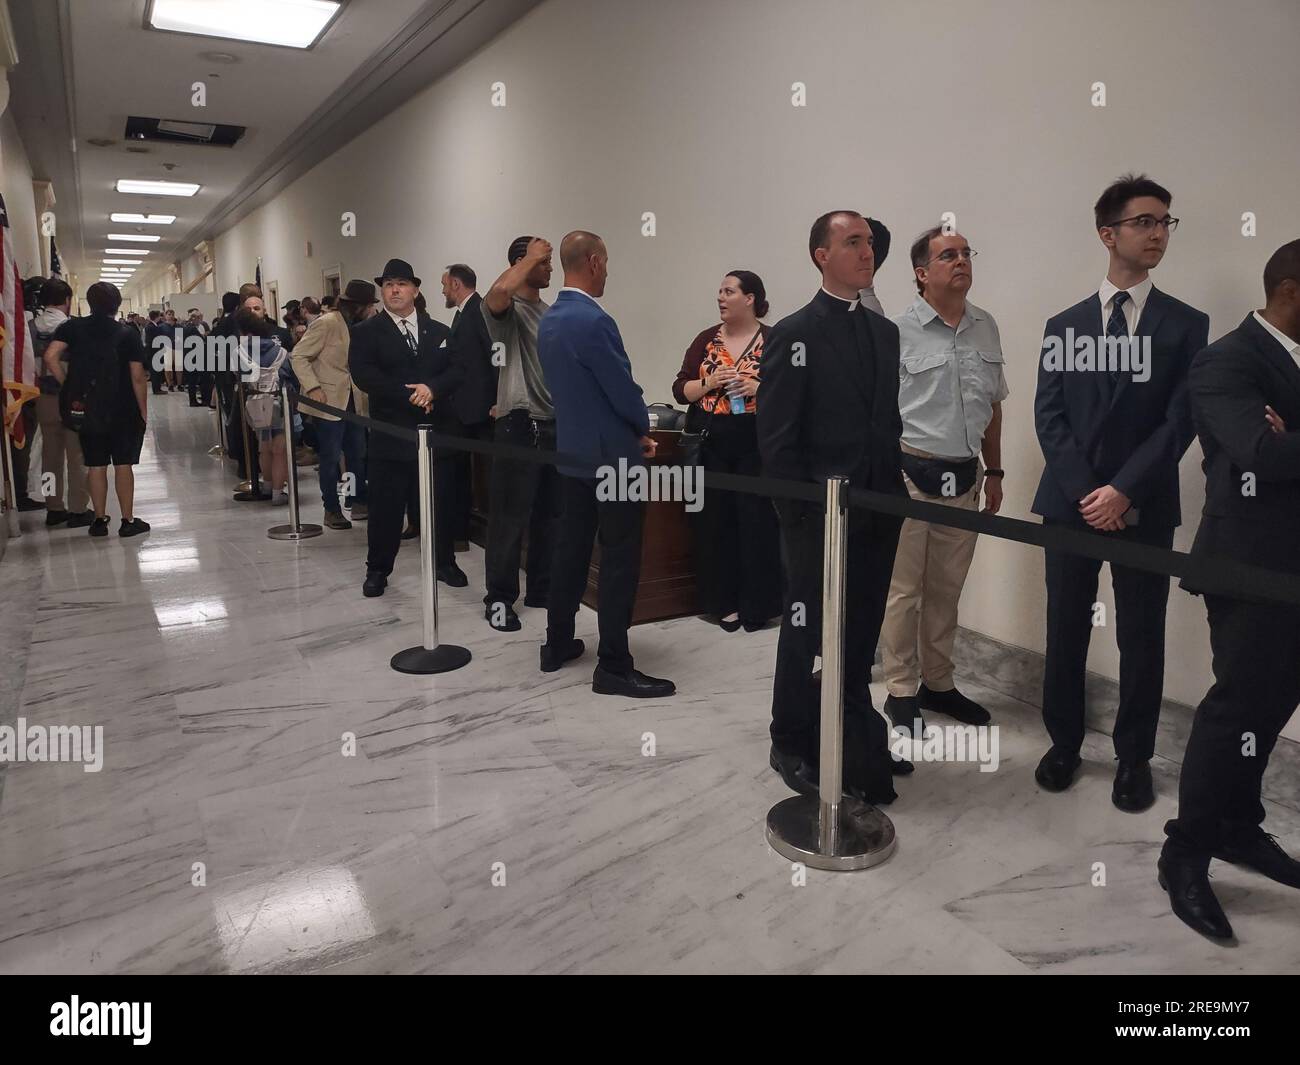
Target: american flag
pixel 17 363
pixel 56 264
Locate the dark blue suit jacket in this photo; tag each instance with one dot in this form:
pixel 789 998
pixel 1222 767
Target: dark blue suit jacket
pixel 1130 436
pixel 600 412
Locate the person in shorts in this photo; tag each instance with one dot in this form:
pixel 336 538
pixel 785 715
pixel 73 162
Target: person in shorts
pixel 100 349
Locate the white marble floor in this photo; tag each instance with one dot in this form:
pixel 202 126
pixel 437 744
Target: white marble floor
pixel 497 818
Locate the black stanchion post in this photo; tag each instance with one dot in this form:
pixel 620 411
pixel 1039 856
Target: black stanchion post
pixel 219 448
pixel 431 656
pixel 249 490
pixel 295 530
pixel 831 830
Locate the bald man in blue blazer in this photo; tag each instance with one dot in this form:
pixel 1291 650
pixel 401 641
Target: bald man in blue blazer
pixel 601 420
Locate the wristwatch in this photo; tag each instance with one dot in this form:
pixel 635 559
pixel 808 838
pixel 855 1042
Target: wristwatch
pixel 995 473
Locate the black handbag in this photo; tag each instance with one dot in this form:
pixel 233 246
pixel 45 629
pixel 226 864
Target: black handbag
pixel 928 475
pixel 693 433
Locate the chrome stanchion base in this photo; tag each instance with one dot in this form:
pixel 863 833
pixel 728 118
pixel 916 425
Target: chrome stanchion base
pixel 216 449
pixel 442 659
pixel 866 834
pixel 288 532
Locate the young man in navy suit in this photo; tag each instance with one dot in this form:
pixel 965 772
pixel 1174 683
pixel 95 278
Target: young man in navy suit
pixel 407 367
pixel 600 419
pixel 1113 421
pixel 1245 395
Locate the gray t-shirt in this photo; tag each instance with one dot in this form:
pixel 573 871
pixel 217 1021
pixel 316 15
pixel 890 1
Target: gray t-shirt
pixel 522 385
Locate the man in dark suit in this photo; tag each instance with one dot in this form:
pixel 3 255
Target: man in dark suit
pixel 1113 421
pixel 406 366
pixel 828 405
pixel 477 395
pixel 601 419
pixel 1245 393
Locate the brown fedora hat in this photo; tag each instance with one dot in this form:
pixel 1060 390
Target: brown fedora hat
pixel 359 292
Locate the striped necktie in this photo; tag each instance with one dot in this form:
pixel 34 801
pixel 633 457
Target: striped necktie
pixel 1117 326
pixel 410 337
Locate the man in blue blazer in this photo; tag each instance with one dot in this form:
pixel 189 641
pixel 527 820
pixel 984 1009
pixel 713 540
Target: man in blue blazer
pixel 601 420
pixel 1113 421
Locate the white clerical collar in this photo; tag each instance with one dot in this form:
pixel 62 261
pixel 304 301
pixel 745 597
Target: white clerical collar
pixel 852 304
pixel 580 292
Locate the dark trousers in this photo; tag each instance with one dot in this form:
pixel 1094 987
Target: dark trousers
pixel 1140 600
pixel 235 439
pixel 341 438
pixel 394 485
pixel 155 375
pixel 22 457
pixel 737 542
pixel 199 385
pixel 524 497
pixel 796 696
pixel 617 524
pixel 1256 688
pixel 464 464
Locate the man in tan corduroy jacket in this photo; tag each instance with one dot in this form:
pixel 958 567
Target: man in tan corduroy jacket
pixel 320 361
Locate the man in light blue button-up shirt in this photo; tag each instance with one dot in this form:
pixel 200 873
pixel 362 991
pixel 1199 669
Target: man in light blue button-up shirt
pixel 950 393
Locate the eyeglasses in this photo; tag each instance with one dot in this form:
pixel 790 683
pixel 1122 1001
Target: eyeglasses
pixel 951 255
pixel 1147 222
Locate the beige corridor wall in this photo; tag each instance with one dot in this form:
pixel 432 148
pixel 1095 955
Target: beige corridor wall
pixel 683 108
pixel 20 201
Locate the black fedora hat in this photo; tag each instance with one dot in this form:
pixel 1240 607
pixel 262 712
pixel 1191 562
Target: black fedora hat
pixel 359 292
pixel 397 270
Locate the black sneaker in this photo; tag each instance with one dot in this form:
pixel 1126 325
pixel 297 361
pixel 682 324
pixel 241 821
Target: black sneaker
pixel 505 615
pixel 134 527
pixel 55 517
pixel 99 527
pixel 82 520
pixel 26 503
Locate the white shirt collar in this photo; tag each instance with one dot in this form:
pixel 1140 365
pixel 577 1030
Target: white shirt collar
pixel 853 303
pixel 1137 294
pixel 413 319
pixel 570 288
pixel 461 305
pixel 1291 347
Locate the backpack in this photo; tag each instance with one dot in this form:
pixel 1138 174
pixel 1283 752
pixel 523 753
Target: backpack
pixel 263 384
pixel 89 397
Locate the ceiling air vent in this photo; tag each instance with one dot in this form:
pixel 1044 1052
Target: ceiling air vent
pixel 174 131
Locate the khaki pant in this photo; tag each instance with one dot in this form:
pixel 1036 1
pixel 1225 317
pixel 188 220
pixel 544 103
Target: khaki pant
pixel 920 625
pixel 57 443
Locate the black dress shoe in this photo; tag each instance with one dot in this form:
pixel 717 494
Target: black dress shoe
pixel 900 767
pixel 634 684
pixel 1133 791
pixel 55 517
pixel 1262 854
pixel 375 584
pixel 1192 898
pixel 953 704
pixel 798 773
pixel 26 503
pixel 553 658
pixel 905 713
pixel 729 626
pixel 410 532
pixel 537 602
pixel 502 618
pixel 753 626
pixel 1056 771
pixel 452 576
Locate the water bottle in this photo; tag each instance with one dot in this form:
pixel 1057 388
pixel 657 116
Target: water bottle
pixel 737 401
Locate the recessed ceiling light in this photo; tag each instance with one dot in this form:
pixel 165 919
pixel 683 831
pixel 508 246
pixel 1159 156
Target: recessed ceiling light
pixel 145 219
pixel 142 238
pixel 157 188
pixel 290 23
pixel 126 251
pixel 123 262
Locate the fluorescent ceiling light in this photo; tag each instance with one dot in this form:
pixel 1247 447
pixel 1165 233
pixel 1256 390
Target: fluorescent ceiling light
pixel 126 251
pixel 291 23
pixel 122 262
pixel 157 188
pixel 145 219
pixel 142 238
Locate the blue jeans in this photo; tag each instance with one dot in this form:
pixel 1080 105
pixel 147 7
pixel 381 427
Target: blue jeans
pixel 333 438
